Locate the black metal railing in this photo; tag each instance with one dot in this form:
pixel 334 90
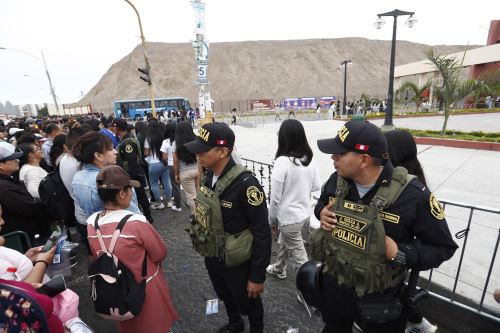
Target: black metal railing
pixel 263 172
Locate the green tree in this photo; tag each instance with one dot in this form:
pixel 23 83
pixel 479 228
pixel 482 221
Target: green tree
pixel 414 93
pixel 448 85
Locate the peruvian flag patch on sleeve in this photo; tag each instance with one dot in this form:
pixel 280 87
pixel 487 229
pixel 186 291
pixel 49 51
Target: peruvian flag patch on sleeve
pixel 361 147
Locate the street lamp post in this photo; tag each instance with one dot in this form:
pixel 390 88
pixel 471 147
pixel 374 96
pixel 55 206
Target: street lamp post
pixel 146 60
pixel 44 64
pixel 388 124
pixel 345 63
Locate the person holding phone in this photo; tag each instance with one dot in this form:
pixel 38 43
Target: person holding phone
pixel 29 267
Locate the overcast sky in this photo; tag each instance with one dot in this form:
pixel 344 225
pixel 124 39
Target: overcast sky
pixel 81 39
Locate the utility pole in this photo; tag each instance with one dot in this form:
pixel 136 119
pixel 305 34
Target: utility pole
pixel 147 69
pixel 201 53
pixel 43 63
pixel 344 63
pixel 52 90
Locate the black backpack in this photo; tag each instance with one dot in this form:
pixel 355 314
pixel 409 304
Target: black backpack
pixel 56 198
pixel 114 291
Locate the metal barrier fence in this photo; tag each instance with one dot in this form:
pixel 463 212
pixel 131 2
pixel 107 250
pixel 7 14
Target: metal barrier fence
pixel 465 233
pixel 263 173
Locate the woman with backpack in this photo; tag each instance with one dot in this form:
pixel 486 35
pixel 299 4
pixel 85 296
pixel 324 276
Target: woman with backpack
pixel 58 149
pixel 138 242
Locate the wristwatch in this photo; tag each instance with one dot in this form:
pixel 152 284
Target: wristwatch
pixel 400 258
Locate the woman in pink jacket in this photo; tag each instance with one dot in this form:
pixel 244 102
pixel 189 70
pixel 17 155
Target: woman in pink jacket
pixel 137 237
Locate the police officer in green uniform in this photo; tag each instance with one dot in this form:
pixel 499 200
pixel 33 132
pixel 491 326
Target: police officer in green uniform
pixel 129 158
pixel 230 228
pixel 377 222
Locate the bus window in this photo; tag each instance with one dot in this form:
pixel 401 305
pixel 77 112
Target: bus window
pixel 124 110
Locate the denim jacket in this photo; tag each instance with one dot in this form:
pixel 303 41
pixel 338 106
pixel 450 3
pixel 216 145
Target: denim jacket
pixel 85 190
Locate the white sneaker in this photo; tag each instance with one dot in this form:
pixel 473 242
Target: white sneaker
pixel 271 269
pixel 176 209
pixel 160 205
pixel 423 327
pixel 169 204
pixel 153 205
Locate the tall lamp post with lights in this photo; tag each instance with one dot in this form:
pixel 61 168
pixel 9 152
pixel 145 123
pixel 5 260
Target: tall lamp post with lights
pixel 410 22
pixel 44 64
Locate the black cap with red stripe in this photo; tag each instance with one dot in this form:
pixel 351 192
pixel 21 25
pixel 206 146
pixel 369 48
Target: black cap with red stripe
pixel 211 135
pixel 357 136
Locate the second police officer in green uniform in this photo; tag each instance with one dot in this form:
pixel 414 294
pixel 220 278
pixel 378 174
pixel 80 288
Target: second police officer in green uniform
pixel 230 228
pixel 129 158
pixel 377 222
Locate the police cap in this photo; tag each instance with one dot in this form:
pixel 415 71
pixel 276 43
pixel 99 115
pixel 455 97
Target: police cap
pixel 357 136
pixel 211 135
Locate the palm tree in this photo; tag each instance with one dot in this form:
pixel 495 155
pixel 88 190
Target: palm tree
pixel 415 92
pixel 491 78
pixel 448 85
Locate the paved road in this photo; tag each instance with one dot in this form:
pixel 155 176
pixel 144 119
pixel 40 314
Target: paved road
pixel 190 288
pixel 466 123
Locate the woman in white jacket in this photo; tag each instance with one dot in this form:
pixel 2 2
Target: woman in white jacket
pixel 295 175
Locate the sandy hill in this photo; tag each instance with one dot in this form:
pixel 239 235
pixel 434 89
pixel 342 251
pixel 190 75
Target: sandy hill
pixel 260 69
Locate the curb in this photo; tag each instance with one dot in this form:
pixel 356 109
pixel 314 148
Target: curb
pixel 479 145
pixel 424 115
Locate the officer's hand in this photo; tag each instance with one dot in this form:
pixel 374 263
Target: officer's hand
pixel 391 248
pixel 254 289
pixel 327 218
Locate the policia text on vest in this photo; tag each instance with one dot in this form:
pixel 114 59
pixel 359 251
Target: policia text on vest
pixel 354 252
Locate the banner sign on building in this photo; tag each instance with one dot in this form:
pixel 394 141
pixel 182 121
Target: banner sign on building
pixel 199 17
pixel 326 102
pixel 291 103
pixel 305 103
pixel 261 104
pixel 308 103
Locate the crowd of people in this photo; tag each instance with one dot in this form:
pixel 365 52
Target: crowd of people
pixel 378 218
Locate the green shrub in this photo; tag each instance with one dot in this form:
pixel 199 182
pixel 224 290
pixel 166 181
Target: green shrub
pixel 458 135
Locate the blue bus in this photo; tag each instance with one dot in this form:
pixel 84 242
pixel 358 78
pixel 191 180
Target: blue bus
pixel 138 108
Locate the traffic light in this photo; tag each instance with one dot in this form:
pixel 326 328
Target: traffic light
pixel 145 77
